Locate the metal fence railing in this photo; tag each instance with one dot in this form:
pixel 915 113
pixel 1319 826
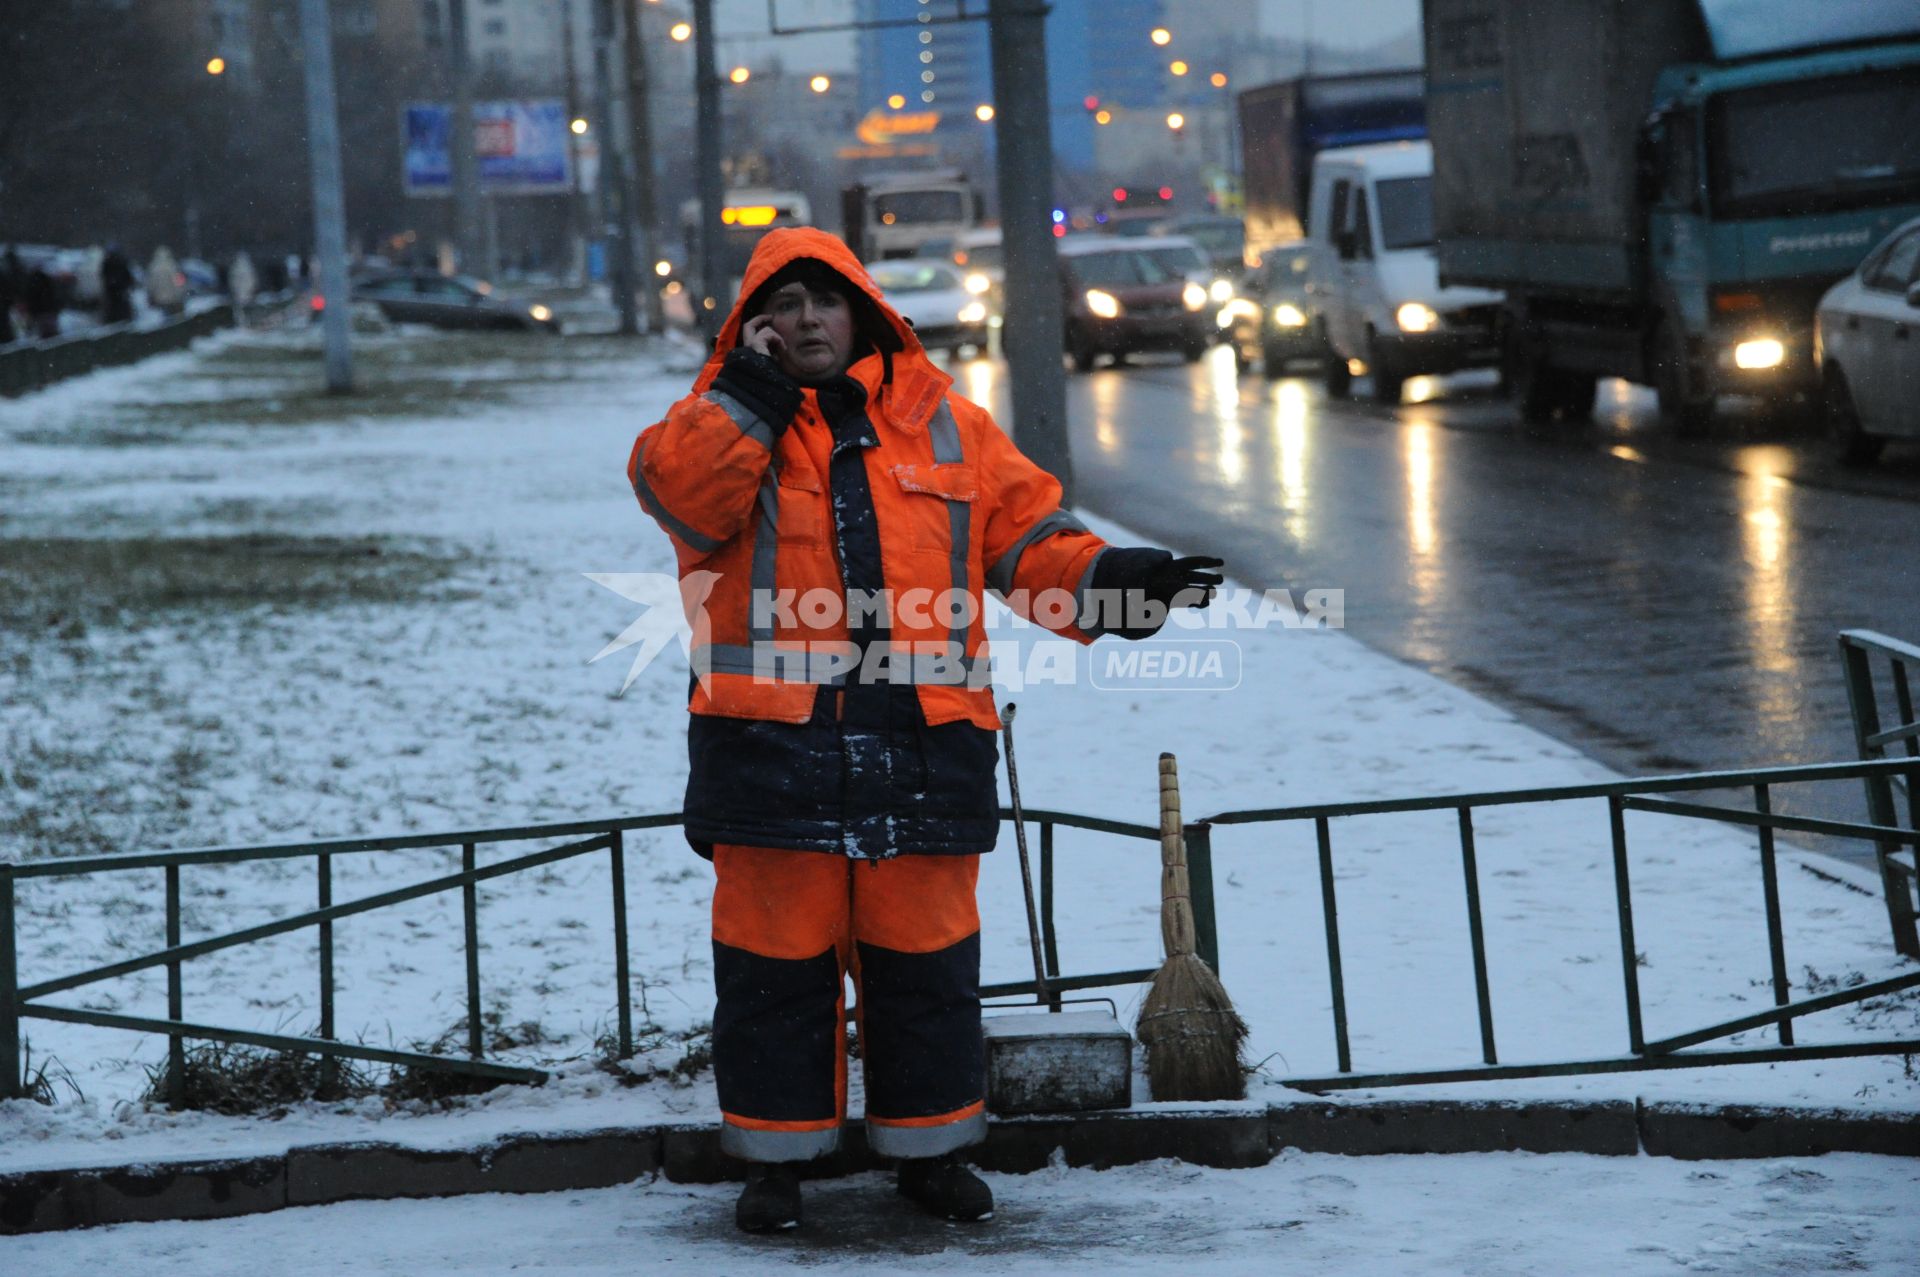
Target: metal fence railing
pixel 1619 798
pixel 23 1001
pixel 1899 877
pixel 32 365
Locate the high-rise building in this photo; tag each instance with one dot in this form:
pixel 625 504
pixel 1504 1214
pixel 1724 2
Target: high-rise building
pixel 923 61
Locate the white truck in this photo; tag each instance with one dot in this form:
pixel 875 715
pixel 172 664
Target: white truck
pixel 892 215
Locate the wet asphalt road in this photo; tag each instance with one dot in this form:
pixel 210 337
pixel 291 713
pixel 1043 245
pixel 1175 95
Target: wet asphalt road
pixel 1665 605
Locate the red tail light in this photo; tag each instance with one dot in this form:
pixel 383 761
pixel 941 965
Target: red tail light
pixel 318 302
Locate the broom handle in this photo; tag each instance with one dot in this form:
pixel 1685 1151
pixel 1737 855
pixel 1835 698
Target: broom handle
pixel 1176 901
pixel 1042 992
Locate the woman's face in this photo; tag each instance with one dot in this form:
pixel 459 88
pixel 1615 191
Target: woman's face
pixel 815 327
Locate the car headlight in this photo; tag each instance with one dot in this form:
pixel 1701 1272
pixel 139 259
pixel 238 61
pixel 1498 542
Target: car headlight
pixel 973 312
pixel 1194 296
pixel 1761 352
pixel 1107 306
pixel 1415 317
pixel 1288 315
pixel 978 284
pixel 1221 290
pixel 540 313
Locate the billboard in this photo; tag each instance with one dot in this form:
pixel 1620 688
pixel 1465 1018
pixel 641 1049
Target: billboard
pixel 520 147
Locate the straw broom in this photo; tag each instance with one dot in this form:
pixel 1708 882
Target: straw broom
pixel 1187 1023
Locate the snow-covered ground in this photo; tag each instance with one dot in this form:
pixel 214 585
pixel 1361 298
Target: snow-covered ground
pixel 402 645
pixel 1478 1215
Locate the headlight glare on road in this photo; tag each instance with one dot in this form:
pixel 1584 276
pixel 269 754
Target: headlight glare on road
pixel 1760 353
pixel 1416 317
pixel 540 313
pixel 1194 296
pixel 978 284
pixel 1288 315
pixel 973 313
pixel 1221 290
pixel 1107 306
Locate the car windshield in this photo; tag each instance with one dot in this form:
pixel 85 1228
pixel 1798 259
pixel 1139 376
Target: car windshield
pixel 919 208
pixel 1181 258
pixel 910 276
pixel 1123 270
pixel 1220 239
pixel 1406 212
pixel 1816 145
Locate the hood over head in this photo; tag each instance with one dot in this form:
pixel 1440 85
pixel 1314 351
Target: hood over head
pixel 877 325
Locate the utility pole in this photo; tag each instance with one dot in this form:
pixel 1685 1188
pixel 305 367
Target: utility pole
pixel 1034 337
pixel 466 179
pixel 706 80
pixel 577 215
pixel 613 170
pixel 645 215
pixel 329 206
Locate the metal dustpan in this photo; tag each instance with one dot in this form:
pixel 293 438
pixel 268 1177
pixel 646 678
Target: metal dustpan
pixel 1047 1059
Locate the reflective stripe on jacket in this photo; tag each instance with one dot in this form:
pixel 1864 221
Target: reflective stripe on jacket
pixel 957 505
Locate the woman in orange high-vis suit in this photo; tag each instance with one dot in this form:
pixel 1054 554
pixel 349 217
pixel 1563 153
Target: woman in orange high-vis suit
pixel 850 509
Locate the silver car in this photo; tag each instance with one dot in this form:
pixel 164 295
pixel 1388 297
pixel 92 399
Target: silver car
pixel 1867 343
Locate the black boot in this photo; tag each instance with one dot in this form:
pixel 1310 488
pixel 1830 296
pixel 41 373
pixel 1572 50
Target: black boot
pixel 944 1186
pixel 770 1203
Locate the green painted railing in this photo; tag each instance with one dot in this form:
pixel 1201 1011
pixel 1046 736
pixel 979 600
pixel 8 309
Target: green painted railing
pixel 22 1001
pixel 1899 872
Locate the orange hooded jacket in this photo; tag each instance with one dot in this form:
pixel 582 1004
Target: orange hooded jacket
pixel 958 508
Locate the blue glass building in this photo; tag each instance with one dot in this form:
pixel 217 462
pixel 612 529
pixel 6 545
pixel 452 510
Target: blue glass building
pixel 1095 48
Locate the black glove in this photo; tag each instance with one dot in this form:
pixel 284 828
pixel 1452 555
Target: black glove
pixel 759 382
pixel 1132 575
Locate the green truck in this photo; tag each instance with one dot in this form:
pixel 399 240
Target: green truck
pixel 1664 188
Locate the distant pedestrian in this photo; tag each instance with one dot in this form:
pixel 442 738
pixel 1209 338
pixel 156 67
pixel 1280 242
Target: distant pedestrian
pixel 243 283
pixel 41 300
pixel 10 284
pixel 166 287
pixel 116 287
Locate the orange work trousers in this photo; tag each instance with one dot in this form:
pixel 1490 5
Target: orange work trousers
pixel 788 928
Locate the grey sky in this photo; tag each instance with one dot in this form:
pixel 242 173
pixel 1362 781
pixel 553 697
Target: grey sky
pixel 1346 23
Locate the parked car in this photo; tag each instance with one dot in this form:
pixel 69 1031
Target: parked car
pixel 1371 214
pixel 445 301
pixel 1122 298
pixel 1276 320
pixel 1866 341
pixel 935 300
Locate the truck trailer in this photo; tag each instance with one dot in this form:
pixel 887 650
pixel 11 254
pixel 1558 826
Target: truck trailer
pixel 1285 124
pixel 1664 188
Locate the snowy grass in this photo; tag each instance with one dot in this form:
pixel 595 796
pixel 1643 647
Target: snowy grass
pixel 229 667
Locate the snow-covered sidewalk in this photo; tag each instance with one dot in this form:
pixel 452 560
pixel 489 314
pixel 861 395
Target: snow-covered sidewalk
pixel 372 615
pixel 1472 1214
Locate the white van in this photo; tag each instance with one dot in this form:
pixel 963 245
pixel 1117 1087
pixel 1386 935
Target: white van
pixel 1371 219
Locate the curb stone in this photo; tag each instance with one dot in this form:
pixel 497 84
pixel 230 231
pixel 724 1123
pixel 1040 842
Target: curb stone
pixel 1226 1136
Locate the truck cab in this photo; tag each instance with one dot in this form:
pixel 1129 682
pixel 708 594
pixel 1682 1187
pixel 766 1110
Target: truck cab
pixel 1378 279
pixel 1765 182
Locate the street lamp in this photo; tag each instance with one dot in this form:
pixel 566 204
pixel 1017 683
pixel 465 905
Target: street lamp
pixel 983 112
pixel 579 127
pixel 1162 36
pixel 1219 80
pixel 1176 121
pixel 896 101
pixel 739 75
pixel 1177 67
pixel 1103 116
pixel 820 84
pixel 216 66
pixel 680 32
